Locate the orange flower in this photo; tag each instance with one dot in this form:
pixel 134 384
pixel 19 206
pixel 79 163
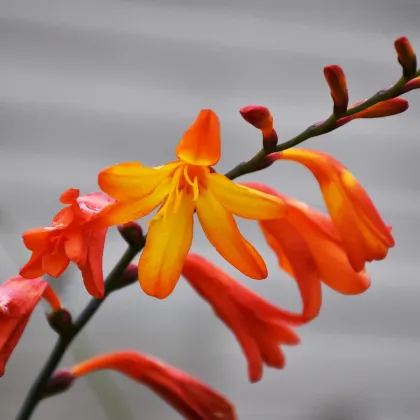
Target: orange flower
pixel 364 235
pixel 259 326
pixel 18 298
pixel 336 80
pixel 190 397
pixel 71 237
pixel 310 249
pixel 181 187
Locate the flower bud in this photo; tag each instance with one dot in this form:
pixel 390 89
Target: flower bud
pixel 411 85
pixel 406 56
pixel 336 80
pixel 60 381
pixel 60 321
pixel 260 117
pixel 132 234
pixel 127 278
pixel 383 109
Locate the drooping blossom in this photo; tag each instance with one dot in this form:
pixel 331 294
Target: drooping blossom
pixel 71 237
pixel 18 298
pixel 191 398
pixel 181 187
pixel 365 236
pixel 259 326
pixel 309 248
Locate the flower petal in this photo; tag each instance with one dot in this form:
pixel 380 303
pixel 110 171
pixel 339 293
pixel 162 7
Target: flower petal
pixel 222 232
pixel 55 263
pixel 131 180
pixel 200 144
pixel 127 211
pixel 167 243
pixel 245 202
pixel 33 268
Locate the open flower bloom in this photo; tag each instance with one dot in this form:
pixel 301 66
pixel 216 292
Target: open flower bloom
pixel 18 298
pixel 259 326
pixel 190 397
pixel 309 248
pixel 181 187
pixel 364 235
pixel 71 237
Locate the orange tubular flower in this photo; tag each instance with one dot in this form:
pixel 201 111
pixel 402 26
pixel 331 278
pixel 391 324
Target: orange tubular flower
pixel 71 237
pixel 364 235
pixel 310 249
pixel 259 326
pixel 18 298
pixel 190 397
pixel 181 187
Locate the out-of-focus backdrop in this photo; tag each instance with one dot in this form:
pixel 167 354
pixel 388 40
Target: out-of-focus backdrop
pixel 85 84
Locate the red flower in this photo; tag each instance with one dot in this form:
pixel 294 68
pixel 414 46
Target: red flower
pixel 259 326
pixel 309 248
pixel 336 80
pixel 18 298
pixel 71 237
pixel 190 397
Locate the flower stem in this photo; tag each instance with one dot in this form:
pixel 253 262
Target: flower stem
pixel 36 391
pixel 255 163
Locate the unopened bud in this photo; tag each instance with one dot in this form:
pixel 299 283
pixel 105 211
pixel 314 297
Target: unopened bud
pixel 128 277
pixel 60 381
pixel 60 321
pixel 406 56
pixel 411 85
pixel 336 80
pixel 132 234
pixel 383 109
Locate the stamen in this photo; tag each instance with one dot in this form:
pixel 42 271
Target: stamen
pixel 194 184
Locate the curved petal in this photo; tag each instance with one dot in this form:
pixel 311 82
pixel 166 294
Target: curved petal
pixel 222 232
pixel 33 268
pixel 200 144
pixel 37 239
pixel 127 211
pixel 131 180
pixel 55 263
pixel 245 202
pixel 167 243
pixel 295 258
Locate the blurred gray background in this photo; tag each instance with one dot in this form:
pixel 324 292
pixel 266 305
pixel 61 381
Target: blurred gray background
pixel 85 84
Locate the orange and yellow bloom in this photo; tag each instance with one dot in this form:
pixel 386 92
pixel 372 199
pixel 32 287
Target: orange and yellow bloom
pixel 190 397
pixel 364 234
pixel 71 237
pixel 309 248
pixel 18 298
pixel 259 326
pixel 181 188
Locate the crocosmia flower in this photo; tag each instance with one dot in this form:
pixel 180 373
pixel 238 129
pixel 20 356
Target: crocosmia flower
pixel 259 326
pixel 190 397
pixel 71 237
pixel 309 248
pixel 180 188
pixel 364 234
pixel 18 298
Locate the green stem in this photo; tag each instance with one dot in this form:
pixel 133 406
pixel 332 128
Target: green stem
pixel 256 163
pixel 36 391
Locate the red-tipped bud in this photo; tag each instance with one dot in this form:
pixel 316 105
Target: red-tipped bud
pixel 129 277
pixel 61 322
pixel 382 109
pixel 59 382
pixel 260 117
pixel 411 85
pixel 132 234
pixel 406 56
pixel 336 80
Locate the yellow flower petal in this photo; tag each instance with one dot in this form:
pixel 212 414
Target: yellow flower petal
pixel 123 211
pixel 131 180
pixel 223 233
pixel 243 201
pixel 168 241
